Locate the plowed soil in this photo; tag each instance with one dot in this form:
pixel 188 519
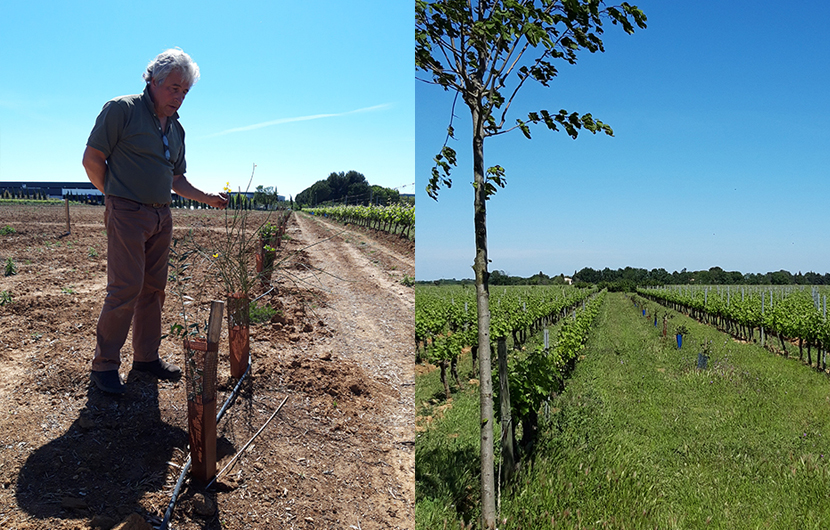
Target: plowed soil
pixel 340 453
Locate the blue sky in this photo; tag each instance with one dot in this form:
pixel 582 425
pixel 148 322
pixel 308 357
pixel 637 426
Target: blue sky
pixel 301 89
pixel 721 154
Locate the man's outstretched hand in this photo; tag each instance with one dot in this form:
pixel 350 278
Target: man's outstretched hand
pixel 218 201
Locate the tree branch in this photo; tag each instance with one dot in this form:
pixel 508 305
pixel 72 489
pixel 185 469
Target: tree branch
pixel 555 43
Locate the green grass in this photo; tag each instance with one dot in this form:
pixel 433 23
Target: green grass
pixel 645 440
pixel 30 202
pixel 9 268
pixel 642 439
pixel 447 452
pixel 260 313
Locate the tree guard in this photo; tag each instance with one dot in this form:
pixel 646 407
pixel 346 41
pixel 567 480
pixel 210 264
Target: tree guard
pixel 200 382
pixel 239 322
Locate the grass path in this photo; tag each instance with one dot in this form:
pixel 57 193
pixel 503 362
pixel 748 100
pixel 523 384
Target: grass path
pixel 447 474
pixel 447 447
pixel 641 439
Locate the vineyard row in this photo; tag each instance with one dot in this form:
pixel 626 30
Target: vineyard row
pixel 747 312
pixel 395 218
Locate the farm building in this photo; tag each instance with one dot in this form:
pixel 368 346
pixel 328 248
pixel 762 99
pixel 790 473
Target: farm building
pixel 51 190
pixel 83 192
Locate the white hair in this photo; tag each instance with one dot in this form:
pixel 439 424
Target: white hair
pixel 168 61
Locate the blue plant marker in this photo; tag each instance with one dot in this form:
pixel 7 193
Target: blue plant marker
pixel 679 341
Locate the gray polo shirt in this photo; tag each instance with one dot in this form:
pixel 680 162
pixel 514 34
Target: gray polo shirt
pixel 129 133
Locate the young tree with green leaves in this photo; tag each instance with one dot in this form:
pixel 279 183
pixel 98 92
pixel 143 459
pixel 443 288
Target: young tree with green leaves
pixel 485 51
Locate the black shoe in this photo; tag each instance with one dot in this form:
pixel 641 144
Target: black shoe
pixel 160 369
pixel 109 381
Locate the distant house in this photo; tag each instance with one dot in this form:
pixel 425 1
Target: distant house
pixel 569 281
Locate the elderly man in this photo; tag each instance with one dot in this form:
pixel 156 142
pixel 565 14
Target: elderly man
pixel 135 155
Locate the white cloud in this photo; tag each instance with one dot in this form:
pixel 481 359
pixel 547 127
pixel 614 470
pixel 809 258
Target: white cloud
pixel 298 118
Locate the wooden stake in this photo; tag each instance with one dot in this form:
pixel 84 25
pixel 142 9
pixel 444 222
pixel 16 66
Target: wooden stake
pixel 507 426
pixel 215 322
pixel 66 202
pixel 202 411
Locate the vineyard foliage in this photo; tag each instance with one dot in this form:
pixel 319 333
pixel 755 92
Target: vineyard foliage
pixel 446 324
pixel 789 313
pixel 534 375
pixel 446 316
pixel 395 218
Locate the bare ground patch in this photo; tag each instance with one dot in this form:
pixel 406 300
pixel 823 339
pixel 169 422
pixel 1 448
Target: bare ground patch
pixel 340 453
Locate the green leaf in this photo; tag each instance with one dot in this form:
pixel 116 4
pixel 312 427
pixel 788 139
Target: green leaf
pixel 524 128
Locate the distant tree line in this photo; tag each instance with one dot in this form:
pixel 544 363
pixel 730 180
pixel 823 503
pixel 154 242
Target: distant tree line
pixel 349 188
pixel 265 197
pixel 629 278
pixel 713 276
pixel 498 277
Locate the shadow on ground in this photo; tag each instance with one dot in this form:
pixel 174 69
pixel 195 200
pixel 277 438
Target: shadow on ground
pixel 112 454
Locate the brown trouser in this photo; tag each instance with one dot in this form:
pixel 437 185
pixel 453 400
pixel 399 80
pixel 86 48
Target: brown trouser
pixel 138 244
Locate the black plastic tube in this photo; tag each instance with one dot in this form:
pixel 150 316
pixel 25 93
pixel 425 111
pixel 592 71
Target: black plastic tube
pixel 232 397
pixel 169 512
pixel 228 402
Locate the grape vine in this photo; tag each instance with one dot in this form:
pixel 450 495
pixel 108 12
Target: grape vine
pixel 395 218
pixel 755 312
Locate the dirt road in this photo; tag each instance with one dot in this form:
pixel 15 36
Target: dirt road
pixel 374 315
pixel 340 454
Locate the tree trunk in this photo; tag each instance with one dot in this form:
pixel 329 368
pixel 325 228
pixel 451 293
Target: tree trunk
pixel 783 346
pixel 454 370
pixel 508 454
pixel 443 365
pixel 488 491
pixel 530 426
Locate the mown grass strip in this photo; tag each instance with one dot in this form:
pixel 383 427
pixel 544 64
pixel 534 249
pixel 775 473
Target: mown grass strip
pixel 447 449
pixel 642 439
pixel 447 444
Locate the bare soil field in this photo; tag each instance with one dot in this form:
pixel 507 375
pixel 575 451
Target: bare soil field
pixel 340 454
